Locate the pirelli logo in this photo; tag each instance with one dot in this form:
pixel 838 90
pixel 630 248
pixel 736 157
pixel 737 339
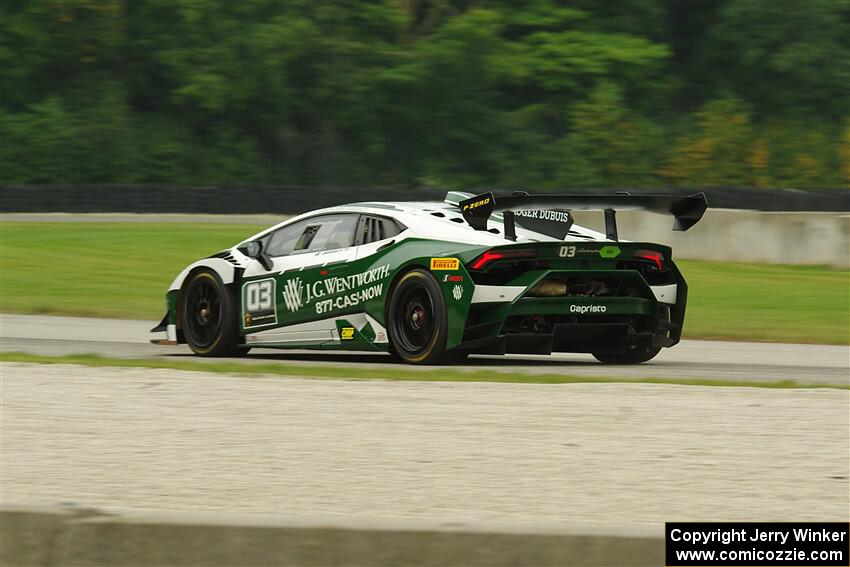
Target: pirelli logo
pixel 476 204
pixel 445 263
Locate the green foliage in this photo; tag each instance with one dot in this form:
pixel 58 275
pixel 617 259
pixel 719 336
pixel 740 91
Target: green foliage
pixel 612 145
pixel 36 143
pixel 844 153
pixel 488 93
pixel 714 150
pixel 783 55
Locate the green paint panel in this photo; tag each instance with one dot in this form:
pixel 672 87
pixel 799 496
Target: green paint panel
pixel 351 338
pixel 171 306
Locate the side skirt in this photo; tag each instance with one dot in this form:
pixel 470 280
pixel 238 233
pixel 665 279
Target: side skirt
pixel 358 331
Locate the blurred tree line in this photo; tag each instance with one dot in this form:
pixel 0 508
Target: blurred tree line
pixel 462 93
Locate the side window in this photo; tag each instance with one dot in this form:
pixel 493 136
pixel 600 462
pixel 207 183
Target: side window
pixel 282 241
pixel 324 232
pixel 330 233
pixel 373 229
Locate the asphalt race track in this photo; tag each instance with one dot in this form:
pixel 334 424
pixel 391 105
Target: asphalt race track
pixel 769 362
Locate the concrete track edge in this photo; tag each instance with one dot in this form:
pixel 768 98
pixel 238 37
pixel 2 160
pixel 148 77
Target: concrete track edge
pixel 71 535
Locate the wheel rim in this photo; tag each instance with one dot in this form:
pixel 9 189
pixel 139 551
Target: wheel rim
pixel 203 313
pixel 414 319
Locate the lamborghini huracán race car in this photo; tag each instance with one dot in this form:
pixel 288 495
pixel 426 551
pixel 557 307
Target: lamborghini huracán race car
pixel 433 282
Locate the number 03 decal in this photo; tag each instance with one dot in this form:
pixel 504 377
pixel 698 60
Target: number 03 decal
pixel 258 303
pixel 567 252
pixel 259 295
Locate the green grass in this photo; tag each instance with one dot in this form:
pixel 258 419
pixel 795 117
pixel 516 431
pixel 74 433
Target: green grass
pixel 763 302
pixel 101 269
pixel 389 373
pixel 123 270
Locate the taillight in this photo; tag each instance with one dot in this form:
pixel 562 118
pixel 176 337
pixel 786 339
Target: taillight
pixel 491 256
pixel 653 255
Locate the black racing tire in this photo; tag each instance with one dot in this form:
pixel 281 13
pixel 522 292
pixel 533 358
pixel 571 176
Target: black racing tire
pixel 208 316
pixel 634 354
pixel 417 321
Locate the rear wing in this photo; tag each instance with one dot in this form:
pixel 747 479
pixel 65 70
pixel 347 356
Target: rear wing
pixel 686 211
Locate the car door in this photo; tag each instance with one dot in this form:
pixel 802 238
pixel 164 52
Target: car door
pixel 285 305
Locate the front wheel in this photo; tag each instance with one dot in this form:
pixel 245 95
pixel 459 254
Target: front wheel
pixel 208 316
pixel 418 323
pixel 634 355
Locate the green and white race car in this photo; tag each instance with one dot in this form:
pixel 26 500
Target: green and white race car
pixel 433 282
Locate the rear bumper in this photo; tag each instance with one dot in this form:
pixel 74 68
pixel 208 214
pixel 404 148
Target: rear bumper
pixel 577 338
pixel 508 321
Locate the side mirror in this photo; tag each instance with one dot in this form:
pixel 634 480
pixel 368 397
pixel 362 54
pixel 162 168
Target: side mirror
pixel 254 249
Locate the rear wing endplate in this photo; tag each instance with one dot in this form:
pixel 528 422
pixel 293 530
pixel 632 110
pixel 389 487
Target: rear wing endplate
pixel 686 211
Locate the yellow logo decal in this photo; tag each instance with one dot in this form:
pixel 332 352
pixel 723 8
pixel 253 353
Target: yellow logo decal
pixel 476 204
pixel 445 263
pixel 346 333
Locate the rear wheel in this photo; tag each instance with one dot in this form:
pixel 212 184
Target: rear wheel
pixel 418 324
pixel 634 354
pixel 208 316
